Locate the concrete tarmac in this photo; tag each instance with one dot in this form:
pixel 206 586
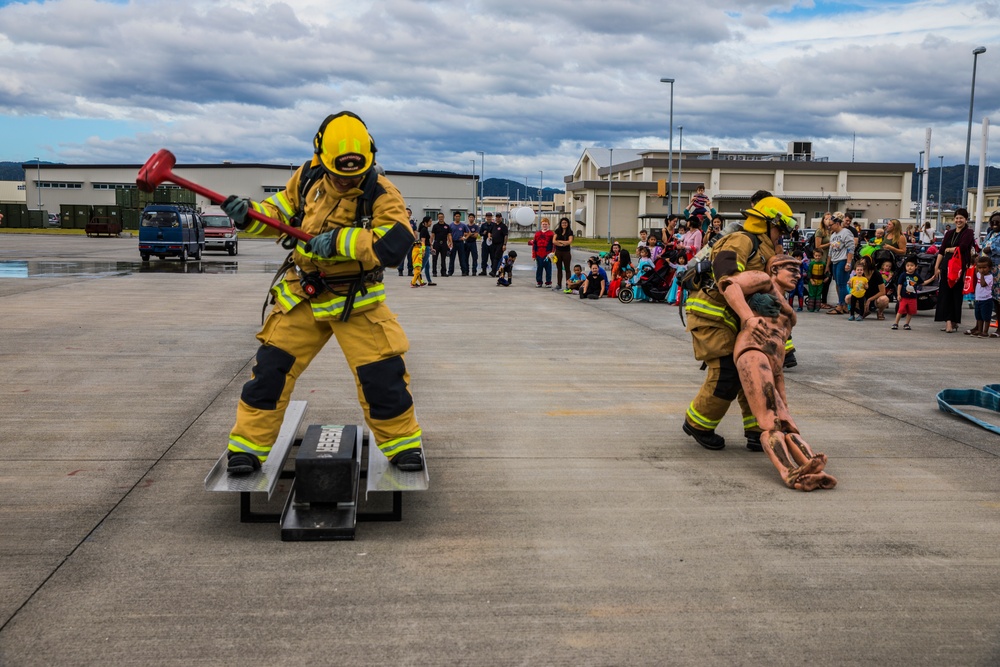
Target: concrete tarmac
pixel 569 520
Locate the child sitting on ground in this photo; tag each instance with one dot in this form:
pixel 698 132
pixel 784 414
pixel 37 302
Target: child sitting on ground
pixel 596 284
pixel 817 275
pixel 906 293
pixel 506 270
pixel 575 279
pixel 858 285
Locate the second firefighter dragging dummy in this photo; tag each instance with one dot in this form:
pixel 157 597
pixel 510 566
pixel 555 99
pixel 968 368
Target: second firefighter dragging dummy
pixel 766 321
pixel 332 288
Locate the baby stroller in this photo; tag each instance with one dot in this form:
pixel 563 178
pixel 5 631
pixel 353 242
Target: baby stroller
pixel 655 283
pixel 927 292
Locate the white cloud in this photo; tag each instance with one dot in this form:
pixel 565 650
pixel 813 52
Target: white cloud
pixel 529 83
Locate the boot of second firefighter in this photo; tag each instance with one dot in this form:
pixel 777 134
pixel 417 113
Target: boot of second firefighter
pixel 373 344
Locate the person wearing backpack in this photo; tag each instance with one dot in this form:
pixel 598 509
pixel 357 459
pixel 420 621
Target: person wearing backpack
pixel 331 287
pixel 713 324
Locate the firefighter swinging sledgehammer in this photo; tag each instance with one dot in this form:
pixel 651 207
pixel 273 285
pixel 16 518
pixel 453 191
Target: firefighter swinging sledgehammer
pixel 332 287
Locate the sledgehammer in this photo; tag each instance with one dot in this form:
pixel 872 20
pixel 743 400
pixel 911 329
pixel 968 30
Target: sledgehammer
pixel 159 168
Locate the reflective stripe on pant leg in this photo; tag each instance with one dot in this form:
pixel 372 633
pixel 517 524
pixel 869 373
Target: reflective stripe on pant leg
pixel 373 344
pixel 297 335
pixel 708 407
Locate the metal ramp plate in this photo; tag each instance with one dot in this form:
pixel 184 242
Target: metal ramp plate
pixel 266 479
pixel 383 476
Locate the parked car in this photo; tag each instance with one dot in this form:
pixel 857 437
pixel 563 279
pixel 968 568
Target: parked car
pixel 171 230
pixel 220 232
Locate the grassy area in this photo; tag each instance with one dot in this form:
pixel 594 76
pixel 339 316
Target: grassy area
pixel 602 244
pixel 46 230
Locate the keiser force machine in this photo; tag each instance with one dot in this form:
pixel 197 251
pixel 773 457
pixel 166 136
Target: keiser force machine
pixel 323 502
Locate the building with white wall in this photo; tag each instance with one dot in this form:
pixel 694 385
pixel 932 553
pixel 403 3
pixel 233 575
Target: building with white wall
pixel 871 191
pixel 95 185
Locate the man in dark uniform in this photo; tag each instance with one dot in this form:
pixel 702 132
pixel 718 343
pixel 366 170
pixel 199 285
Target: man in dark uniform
pixel 441 233
pixel 713 324
pixel 498 239
pixel 485 230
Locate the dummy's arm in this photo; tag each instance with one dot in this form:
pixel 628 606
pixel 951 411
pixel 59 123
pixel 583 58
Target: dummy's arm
pixel 736 288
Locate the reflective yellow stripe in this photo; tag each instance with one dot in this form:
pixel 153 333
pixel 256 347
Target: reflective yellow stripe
pixel 392 447
pixel 335 306
pixel 301 249
pixel 708 309
pixel 740 267
pixel 238 444
pixel 280 201
pixel 789 345
pixel 347 243
pixel 284 296
pixel 697 418
pixel 749 422
pixel 255 228
pixel 382 231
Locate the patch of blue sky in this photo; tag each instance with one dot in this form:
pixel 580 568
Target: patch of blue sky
pixel 829 8
pixel 26 137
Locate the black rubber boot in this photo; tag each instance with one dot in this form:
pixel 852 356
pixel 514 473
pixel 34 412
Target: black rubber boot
pixel 790 360
pixel 241 463
pixel 753 441
pixel 412 460
pixel 707 439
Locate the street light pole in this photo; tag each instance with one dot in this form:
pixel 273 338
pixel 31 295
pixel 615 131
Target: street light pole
pixel 680 165
pixel 611 161
pixel 482 171
pixel 940 185
pixel 968 138
pixel 473 186
pixel 920 192
pixel 38 183
pixel 670 158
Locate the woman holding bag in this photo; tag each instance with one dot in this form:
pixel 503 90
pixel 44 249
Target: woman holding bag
pixel 956 257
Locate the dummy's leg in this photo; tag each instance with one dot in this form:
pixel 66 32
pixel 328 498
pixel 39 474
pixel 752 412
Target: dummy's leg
pixel 790 454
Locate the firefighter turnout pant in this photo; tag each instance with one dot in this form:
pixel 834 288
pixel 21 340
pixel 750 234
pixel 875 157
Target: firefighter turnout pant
pixel 721 386
pixel 373 344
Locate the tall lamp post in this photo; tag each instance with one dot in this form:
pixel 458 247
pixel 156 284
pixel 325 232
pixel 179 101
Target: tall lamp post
pixel 670 158
pixel 611 161
pixel 482 171
pixel 920 192
pixel 539 198
pixel 940 186
pixel 680 164
pixel 473 186
pixel 38 183
pixel 968 138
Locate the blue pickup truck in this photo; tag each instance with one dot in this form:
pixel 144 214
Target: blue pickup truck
pixel 171 230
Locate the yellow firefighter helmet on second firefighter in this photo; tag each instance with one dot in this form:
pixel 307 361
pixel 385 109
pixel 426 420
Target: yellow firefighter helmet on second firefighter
pixel 769 210
pixel 343 145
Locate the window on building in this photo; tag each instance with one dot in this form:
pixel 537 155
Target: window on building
pixel 114 186
pixel 273 189
pixel 58 186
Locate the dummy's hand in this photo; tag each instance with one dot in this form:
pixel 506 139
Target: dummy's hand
pixel 764 304
pixel 237 208
pixel 324 245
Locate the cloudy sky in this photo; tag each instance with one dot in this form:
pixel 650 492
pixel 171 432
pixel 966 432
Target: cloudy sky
pixel 531 84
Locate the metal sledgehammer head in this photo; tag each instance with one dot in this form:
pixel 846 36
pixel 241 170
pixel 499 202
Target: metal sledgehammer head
pixel 157 169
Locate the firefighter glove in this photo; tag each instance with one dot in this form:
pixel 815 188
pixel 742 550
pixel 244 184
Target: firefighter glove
pixel 324 245
pixel 237 208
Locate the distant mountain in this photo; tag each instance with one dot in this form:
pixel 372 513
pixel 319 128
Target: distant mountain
pixel 11 171
pixel 950 181
pixel 503 187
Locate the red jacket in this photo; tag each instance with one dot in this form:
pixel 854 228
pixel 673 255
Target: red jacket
pixel 541 244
